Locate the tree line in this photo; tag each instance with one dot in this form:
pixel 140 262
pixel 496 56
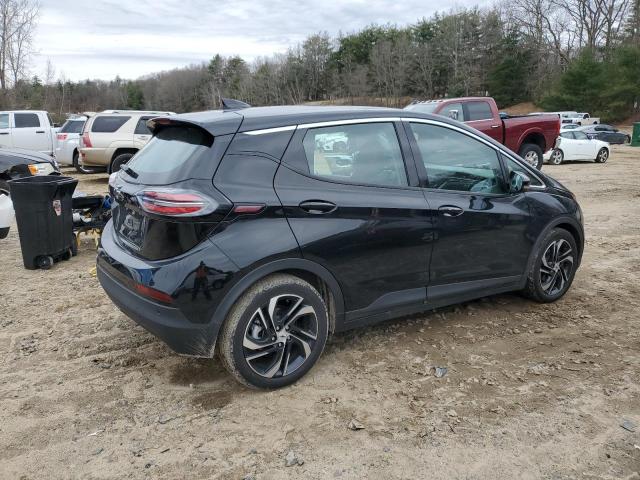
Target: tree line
pixel 560 54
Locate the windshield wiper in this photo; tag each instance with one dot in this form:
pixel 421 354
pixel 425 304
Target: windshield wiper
pixel 129 171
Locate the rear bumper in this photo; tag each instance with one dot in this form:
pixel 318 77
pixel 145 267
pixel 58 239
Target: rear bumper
pixel 166 323
pixel 94 157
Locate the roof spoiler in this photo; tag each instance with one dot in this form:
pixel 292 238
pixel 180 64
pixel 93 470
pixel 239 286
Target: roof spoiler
pixel 231 104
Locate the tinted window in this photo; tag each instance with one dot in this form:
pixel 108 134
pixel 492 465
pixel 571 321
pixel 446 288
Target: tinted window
pixel 513 166
pixel 171 154
pixel 580 136
pixel 448 110
pixel 367 153
pixel 72 126
pixel 141 126
pixel 479 111
pixel 4 120
pixel 455 161
pixel 567 135
pixel 108 124
pixel 26 120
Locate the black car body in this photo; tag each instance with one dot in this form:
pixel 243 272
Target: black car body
pixel 18 163
pixel 338 198
pixel 606 133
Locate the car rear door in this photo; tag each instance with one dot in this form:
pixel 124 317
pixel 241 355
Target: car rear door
pixel 6 139
pixel 481 230
pixel 29 132
pixel 480 116
pixel 352 199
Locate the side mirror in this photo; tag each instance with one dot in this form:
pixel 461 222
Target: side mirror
pixel 518 182
pixel 453 114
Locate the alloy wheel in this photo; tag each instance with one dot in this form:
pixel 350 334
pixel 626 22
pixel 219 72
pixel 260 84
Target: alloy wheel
pixel 603 155
pixel 556 266
pixel 557 157
pixel 280 336
pixel 531 158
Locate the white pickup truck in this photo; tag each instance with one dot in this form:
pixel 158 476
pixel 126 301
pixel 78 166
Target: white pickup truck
pixel 28 129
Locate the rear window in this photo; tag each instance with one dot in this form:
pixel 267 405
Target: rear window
pixel 72 126
pixel 479 111
pixel 172 155
pixel 26 120
pixel 108 124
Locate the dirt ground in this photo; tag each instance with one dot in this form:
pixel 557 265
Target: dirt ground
pixel 531 391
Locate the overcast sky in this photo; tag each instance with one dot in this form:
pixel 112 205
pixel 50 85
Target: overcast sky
pixel 131 38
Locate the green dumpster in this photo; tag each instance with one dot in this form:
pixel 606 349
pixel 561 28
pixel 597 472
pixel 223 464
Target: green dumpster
pixel 635 136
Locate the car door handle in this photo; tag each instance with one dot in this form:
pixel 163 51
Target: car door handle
pixel 495 126
pixel 450 211
pixel 39 131
pixel 317 207
pixel 4 133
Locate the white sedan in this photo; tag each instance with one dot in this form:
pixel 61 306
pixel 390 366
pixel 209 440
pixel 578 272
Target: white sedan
pixel 575 145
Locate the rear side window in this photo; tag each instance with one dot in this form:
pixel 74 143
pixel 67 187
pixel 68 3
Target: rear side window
pixel 26 120
pixel 580 136
pixel 141 126
pixel 72 126
pixel 567 135
pixel 479 111
pixel 172 155
pixel 4 120
pixel 367 153
pixel 108 124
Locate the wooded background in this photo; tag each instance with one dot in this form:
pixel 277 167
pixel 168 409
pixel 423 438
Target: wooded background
pixel 579 55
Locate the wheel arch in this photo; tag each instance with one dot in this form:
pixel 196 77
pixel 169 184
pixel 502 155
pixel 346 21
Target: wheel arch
pixel 535 138
pixel 312 272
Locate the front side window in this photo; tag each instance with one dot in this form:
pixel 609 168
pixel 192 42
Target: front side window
pixel 456 161
pixel 26 120
pixel 513 166
pixel 367 153
pixel 580 136
pixel 479 111
pixel 141 126
pixel 567 135
pixel 453 110
pixel 4 120
pixel 108 124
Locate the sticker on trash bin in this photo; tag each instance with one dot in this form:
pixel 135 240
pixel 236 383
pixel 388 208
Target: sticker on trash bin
pixel 57 206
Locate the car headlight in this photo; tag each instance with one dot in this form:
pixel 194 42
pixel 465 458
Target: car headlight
pixel 40 168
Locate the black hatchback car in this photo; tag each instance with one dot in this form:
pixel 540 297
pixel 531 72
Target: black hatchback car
pixel 256 232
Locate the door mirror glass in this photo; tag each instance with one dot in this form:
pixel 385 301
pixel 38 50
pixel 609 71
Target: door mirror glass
pixel 518 181
pixel 453 114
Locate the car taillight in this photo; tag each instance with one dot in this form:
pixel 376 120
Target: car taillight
pixel 86 141
pixel 153 293
pixel 176 203
pixel 62 136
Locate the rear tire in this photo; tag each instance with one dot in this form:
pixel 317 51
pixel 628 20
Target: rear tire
pixel 553 268
pixel 274 333
pixel 603 155
pixel 119 161
pixel 557 157
pixel 4 232
pixel 532 155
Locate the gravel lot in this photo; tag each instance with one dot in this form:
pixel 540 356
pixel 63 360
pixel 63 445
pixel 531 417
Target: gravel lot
pixel 531 391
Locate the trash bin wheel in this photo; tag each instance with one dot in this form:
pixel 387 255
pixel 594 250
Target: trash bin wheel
pixel 45 262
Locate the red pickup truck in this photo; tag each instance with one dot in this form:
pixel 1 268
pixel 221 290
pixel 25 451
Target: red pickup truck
pixel 530 136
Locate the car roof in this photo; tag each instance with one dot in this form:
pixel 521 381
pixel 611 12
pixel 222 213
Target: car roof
pixel 223 122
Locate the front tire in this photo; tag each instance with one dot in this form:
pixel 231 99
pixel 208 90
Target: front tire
pixel 532 154
pixel 557 156
pixel 603 155
pixel 274 333
pixel 554 267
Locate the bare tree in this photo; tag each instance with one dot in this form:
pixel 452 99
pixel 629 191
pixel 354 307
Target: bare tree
pixel 17 24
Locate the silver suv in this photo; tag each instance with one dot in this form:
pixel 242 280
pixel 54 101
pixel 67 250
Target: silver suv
pixel 112 137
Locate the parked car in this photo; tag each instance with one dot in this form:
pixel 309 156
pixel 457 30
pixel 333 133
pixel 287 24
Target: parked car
pixel 529 136
pixel 18 163
pixel 110 138
pixel 230 234
pixel 27 129
pixel 6 213
pixel 575 145
pixel 606 133
pixel 67 140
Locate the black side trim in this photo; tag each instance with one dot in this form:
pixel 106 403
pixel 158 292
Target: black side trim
pixel 390 301
pixel 479 288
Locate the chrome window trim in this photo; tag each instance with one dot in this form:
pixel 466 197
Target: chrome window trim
pixel 486 142
pixel 265 131
pixel 354 121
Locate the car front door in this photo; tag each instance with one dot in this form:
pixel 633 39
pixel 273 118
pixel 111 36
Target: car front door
pixel 480 116
pixel 585 148
pixel 352 199
pixel 481 239
pixel 142 134
pixel 28 132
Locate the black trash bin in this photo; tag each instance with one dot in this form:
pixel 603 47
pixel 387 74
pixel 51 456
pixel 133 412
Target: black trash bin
pixel 45 218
